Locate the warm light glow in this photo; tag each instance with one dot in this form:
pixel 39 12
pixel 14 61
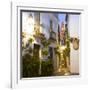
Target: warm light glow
pixel 62 48
pixel 41 29
pixel 30 20
pixel 30 25
pixel 28 28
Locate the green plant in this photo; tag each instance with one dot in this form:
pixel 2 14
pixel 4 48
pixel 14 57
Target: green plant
pixel 25 65
pixel 67 52
pixel 34 67
pixel 46 68
pixel 30 40
pixel 68 43
pixel 45 42
pixel 45 52
pixel 30 66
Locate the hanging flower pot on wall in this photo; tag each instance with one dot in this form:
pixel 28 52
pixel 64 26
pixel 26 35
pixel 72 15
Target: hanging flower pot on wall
pixel 75 43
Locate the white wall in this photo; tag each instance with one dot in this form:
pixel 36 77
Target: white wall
pixel 45 21
pixel 74 29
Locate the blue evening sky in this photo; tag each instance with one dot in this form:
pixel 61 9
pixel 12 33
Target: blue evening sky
pixel 61 18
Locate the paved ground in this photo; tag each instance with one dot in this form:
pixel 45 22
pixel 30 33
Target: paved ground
pixel 64 72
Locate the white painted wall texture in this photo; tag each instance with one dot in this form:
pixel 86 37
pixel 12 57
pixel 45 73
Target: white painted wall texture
pixel 74 30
